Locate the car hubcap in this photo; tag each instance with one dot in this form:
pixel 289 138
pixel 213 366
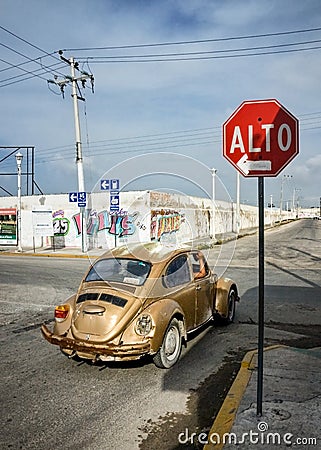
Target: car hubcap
pixel 171 342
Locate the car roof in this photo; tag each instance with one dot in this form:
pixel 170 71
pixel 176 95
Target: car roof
pixel 154 252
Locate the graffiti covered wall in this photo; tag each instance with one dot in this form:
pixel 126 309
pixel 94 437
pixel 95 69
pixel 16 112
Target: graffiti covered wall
pixel 144 216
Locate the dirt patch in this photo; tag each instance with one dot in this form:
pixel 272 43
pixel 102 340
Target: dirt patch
pixel 203 405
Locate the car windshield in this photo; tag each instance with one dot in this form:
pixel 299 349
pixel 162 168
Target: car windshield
pixel 131 271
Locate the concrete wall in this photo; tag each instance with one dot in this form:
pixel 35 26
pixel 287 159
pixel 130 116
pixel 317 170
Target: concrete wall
pixel 145 216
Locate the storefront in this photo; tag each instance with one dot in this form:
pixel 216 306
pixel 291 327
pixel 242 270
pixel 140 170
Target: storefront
pixel 8 226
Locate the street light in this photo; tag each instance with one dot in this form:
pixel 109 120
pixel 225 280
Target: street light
pixel 281 193
pixel 19 157
pixel 213 172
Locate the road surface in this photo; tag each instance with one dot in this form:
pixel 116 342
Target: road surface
pixel 49 401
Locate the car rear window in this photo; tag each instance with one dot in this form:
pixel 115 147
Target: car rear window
pixel 121 270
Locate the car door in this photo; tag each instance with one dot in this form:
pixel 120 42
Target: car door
pixel 181 288
pixel 203 287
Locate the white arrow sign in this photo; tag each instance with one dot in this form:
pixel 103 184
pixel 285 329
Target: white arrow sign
pixel 73 196
pixel 246 165
pixel 104 185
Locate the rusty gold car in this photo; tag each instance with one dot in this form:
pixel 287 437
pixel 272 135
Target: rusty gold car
pixel 139 300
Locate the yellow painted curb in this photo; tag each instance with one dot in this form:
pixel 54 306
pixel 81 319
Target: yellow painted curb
pixel 225 418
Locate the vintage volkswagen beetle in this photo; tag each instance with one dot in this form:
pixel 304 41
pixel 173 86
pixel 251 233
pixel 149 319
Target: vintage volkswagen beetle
pixel 141 300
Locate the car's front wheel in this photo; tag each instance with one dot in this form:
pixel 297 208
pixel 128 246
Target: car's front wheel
pixel 170 350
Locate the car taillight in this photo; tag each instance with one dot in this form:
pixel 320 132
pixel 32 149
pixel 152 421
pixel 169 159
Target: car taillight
pixel 61 312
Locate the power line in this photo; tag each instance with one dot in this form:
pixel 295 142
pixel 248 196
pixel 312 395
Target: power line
pixel 24 63
pixel 158 142
pixel 24 70
pixel 33 74
pixel 199 41
pixel 166 57
pixel 168 134
pixel 30 60
pixel 209 52
pixel 116 149
pixel 197 58
pixel 24 56
pixel 168 137
pixel 29 43
pixel 133 151
pixel 43 70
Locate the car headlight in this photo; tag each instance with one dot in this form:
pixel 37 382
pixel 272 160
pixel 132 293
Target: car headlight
pixel 144 325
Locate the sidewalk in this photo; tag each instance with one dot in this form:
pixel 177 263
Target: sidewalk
pixel 291 403
pixel 66 252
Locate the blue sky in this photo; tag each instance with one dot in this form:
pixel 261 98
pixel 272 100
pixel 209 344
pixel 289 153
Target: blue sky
pixel 161 106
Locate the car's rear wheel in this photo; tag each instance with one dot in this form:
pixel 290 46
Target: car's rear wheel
pixel 170 350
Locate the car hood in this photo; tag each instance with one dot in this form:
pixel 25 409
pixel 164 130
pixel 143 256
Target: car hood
pixel 102 315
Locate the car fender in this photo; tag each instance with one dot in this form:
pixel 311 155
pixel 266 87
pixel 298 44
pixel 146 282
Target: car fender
pixel 162 313
pixel 223 287
pixel 62 327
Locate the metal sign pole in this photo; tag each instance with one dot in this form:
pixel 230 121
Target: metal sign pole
pixel 261 297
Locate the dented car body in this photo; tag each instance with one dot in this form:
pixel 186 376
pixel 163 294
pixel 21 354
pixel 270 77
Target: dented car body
pixel 141 300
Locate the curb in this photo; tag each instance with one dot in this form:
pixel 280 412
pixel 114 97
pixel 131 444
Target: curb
pixel 226 416
pixel 49 255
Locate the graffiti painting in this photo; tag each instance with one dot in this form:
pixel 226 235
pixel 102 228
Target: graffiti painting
pixel 164 222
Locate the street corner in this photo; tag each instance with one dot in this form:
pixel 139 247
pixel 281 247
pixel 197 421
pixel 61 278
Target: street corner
pixel 226 417
pixel 292 392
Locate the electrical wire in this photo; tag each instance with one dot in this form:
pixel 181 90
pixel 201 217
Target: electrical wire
pixel 165 55
pixel 163 140
pixel 197 58
pixel 167 138
pixel 24 63
pixel 44 70
pixel 29 43
pixel 183 56
pixel 113 148
pixel 199 41
pixel 28 58
pixel 152 142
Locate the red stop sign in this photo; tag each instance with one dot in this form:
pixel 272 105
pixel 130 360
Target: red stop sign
pixel 260 138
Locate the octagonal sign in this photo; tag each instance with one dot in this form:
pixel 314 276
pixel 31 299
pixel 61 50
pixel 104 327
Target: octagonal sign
pixel 260 138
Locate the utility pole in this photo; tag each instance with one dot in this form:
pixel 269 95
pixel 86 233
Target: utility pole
pixel 83 77
pixel 79 159
pixel 213 172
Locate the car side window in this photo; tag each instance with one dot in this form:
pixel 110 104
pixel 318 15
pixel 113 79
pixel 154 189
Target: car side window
pixel 199 265
pixel 177 272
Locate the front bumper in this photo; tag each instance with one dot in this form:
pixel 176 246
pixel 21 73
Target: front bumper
pixel 123 351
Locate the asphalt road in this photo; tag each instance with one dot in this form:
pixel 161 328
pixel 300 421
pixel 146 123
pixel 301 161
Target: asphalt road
pixel 48 401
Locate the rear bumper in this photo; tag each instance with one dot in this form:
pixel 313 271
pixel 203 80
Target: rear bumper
pixel 125 351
